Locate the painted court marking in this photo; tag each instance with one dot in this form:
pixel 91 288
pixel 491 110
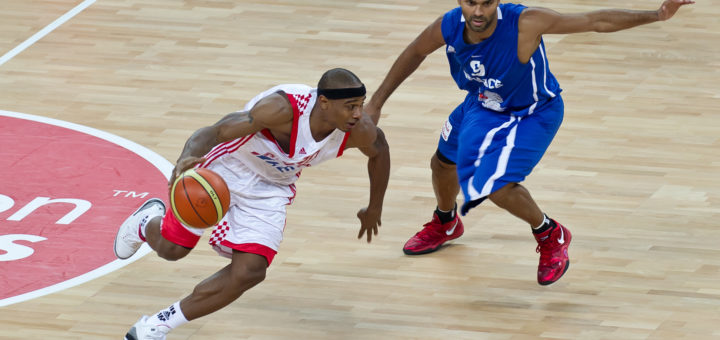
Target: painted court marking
pixel 153 160
pixel 156 160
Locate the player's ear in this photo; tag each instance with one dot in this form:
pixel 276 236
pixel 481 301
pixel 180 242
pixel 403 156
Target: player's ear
pixel 324 102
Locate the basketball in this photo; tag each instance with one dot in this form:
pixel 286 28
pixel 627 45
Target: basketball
pixel 199 198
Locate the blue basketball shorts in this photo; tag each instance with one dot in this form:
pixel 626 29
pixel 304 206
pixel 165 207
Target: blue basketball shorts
pixel 492 149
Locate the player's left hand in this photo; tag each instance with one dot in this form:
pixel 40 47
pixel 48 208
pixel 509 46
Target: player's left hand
pixel 182 165
pixel 369 222
pixel 669 7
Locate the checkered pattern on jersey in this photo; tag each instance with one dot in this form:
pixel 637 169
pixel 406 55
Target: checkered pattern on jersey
pixel 219 233
pixel 302 101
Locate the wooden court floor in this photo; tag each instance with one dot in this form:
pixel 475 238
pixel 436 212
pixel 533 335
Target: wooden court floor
pixel 634 172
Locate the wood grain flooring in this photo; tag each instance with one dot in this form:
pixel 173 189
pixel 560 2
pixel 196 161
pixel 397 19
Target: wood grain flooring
pixel 633 172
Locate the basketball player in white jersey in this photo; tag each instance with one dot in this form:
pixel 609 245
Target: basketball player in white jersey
pixel 260 153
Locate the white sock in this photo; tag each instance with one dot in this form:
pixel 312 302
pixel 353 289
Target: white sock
pixel 142 230
pixel 143 226
pixel 172 317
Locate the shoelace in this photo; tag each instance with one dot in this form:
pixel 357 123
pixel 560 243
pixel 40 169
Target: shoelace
pixel 546 252
pixel 545 257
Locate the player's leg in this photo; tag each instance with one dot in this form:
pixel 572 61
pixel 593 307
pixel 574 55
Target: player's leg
pixel 535 133
pixel 445 182
pixel 553 238
pixel 516 199
pixel 249 235
pixel 171 239
pixel 445 225
pixel 506 155
pixel 162 231
pixel 244 272
pixel 212 294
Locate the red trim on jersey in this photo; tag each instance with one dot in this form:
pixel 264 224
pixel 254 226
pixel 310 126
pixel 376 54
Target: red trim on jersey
pixel 252 248
pixel 175 232
pixel 224 149
pixel 342 145
pixel 270 137
pixel 294 191
pixel 296 119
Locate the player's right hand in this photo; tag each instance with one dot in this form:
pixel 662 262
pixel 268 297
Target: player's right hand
pixel 369 222
pixel 182 165
pixel 669 7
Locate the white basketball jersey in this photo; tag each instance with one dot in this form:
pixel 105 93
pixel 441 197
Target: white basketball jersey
pixel 261 154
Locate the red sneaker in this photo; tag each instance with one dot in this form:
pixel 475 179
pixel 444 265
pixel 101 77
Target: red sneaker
pixel 553 248
pixel 433 235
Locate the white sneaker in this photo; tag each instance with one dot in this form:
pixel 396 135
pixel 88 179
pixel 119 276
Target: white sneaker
pixel 127 240
pixel 142 330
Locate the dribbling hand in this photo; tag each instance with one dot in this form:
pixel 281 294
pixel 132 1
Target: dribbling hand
pixel 182 165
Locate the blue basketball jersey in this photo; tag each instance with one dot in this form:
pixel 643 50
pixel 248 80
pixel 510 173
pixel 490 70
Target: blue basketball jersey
pixel 491 68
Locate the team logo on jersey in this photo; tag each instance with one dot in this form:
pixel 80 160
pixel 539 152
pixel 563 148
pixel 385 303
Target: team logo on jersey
pixel 478 73
pixel 64 191
pixel 491 100
pixel 488 83
pixel 282 166
pixel 478 68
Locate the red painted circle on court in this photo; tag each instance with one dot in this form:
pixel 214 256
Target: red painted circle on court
pixel 63 194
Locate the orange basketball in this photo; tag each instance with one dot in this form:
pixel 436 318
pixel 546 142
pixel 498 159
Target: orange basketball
pixel 199 198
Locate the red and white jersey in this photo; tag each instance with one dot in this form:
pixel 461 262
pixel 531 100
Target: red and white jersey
pixel 260 152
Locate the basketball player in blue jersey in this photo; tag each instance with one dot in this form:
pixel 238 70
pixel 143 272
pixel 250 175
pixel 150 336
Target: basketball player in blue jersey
pixel 513 109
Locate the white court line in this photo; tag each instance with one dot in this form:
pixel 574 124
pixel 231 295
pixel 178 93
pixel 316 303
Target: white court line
pixel 43 32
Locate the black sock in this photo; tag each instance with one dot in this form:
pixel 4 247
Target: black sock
pixel 545 226
pixel 446 216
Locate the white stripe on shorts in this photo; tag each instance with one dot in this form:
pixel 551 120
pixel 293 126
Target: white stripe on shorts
pixel 488 139
pixel 502 161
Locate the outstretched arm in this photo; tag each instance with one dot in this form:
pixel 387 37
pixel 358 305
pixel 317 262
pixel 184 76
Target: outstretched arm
pixel 406 63
pixel 269 112
pixel 545 21
pixel 371 141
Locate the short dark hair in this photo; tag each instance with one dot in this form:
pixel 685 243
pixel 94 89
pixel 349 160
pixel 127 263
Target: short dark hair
pixel 338 78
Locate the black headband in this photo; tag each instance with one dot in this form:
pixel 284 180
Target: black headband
pixel 348 92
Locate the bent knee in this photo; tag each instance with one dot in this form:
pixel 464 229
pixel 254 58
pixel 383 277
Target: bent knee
pixel 502 192
pixel 250 271
pixel 249 277
pixel 436 164
pixel 172 252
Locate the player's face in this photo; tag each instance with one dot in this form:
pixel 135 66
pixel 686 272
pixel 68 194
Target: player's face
pixel 348 112
pixel 479 14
